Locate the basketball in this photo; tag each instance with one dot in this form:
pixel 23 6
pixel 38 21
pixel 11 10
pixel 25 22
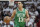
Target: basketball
pixel 7 19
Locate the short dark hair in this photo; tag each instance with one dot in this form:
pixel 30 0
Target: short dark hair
pixel 20 1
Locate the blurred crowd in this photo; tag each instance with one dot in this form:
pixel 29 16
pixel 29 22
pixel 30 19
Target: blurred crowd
pixel 33 9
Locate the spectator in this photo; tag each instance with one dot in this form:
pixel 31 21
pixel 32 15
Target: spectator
pixel 11 9
pixel 1 14
pixel 38 9
pixel 33 13
pixel 37 20
pixel 9 14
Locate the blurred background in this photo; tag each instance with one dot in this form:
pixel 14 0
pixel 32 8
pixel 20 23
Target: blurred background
pixel 33 7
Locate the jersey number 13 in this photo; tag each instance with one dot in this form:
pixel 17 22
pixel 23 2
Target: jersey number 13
pixel 20 19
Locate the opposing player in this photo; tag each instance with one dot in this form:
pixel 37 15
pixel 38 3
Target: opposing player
pixel 20 16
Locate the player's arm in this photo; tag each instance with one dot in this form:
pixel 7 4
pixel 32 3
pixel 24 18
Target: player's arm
pixel 27 15
pixel 13 14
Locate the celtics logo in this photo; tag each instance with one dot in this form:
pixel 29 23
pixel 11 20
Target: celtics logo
pixel 20 16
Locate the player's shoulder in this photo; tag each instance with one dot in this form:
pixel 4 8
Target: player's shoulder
pixel 14 10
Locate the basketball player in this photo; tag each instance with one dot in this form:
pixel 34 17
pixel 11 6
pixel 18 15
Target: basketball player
pixel 20 16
